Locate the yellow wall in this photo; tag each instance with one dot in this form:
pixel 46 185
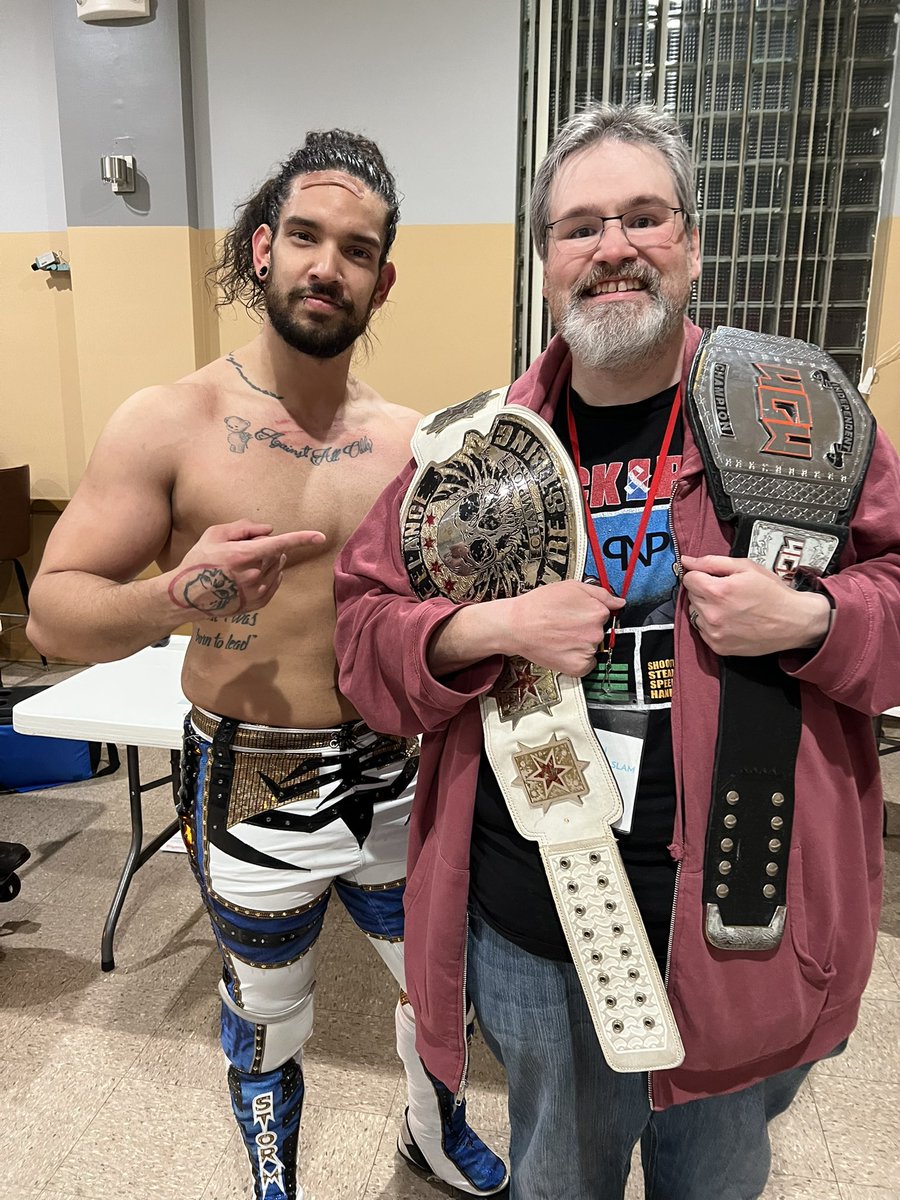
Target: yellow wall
pixel 39 387
pixel 137 310
pixel 134 314
pixel 74 346
pixel 884 329
pixel 446 330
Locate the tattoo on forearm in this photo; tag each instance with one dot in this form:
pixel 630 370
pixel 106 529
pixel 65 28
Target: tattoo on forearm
pixel 239 438
pixel 249 382
pixel 203 588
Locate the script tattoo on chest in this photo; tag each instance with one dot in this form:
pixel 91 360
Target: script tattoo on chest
pixel 240 435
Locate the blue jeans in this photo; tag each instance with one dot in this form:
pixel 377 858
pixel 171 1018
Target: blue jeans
pixel 574 1122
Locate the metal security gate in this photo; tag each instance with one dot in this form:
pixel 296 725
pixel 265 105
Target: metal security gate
pixel 785 105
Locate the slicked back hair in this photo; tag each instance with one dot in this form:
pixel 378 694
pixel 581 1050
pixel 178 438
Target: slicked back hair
pixel 600 121
pixel 323 150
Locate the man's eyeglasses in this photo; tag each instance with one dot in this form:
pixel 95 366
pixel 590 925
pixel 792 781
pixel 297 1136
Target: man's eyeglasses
pixel 646 228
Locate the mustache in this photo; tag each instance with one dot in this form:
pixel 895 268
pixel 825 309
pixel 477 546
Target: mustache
pixel 600 273
pixel 330 291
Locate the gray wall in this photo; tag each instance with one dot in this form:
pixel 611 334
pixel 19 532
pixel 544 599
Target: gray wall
pixel 434 83
pixel 124 88
pixel 31 176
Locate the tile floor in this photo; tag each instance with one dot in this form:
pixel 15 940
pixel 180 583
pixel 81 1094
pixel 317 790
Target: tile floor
pixel 113 1084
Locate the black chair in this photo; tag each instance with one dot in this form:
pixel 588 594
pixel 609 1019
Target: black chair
pixel 888 743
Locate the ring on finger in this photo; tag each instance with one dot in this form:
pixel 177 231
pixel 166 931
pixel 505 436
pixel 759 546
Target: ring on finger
pixel 694 617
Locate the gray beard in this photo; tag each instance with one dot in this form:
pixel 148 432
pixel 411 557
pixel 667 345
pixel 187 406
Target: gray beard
pixel 615 338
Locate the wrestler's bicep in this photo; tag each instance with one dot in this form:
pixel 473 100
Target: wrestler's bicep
pixel 120 517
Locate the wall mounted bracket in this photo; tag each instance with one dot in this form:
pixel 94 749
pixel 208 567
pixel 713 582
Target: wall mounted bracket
pixel 118 169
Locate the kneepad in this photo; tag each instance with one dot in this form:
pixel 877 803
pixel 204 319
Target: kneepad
pixel 260 1039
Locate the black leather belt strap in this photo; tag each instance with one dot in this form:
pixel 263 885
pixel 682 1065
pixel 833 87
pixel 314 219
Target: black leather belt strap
pixel 749 832
pixel 785 440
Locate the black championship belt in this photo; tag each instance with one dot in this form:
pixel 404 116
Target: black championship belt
pixel 493 511
pixel 785 440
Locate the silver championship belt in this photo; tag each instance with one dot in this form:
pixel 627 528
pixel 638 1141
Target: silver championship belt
pixel 785 440
pixel 493 511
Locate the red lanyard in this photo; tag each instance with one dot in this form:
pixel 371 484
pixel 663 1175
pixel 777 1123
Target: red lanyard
pixel 652 493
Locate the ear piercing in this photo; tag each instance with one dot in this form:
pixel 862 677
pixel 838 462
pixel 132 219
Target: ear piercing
pixel 263 271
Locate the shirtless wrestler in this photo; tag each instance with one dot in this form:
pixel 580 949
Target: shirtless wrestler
pixel 242 482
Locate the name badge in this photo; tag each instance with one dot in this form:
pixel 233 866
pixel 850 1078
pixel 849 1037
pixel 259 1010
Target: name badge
pixel 621 735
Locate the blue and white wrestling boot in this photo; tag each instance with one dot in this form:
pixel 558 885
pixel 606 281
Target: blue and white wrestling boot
pixel 435 1139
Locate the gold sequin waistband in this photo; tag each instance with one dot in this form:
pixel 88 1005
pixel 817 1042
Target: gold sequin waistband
pixel 271 737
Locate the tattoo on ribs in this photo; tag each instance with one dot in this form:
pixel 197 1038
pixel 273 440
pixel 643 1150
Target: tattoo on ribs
pixel 240 435
pixel 218 641
pixel 204 588
pixel 249 382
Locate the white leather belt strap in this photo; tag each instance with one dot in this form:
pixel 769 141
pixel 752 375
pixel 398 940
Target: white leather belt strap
pixel 494 510
pixel 627 1002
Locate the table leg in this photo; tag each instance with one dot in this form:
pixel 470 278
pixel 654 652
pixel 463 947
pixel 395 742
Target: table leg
pixel 137 853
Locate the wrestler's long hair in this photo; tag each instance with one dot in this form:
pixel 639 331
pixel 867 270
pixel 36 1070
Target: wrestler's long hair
pixel 323 150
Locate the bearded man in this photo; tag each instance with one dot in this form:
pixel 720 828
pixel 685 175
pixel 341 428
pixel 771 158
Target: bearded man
pixel 664 913
pixel 242 482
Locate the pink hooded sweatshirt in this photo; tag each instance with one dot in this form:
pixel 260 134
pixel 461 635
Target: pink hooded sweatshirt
pixel 742 1017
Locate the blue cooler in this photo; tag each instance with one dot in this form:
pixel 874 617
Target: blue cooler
pixel 27 762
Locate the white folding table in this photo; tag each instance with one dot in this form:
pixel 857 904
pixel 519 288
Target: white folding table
pixel 136 702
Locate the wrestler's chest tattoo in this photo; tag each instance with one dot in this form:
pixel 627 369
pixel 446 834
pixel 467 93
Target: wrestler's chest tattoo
pixel 241 434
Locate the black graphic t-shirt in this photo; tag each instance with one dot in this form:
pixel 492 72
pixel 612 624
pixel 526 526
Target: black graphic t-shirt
pixel 619 448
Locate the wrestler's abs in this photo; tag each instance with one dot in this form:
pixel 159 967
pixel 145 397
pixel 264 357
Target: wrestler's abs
pixel 275 666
